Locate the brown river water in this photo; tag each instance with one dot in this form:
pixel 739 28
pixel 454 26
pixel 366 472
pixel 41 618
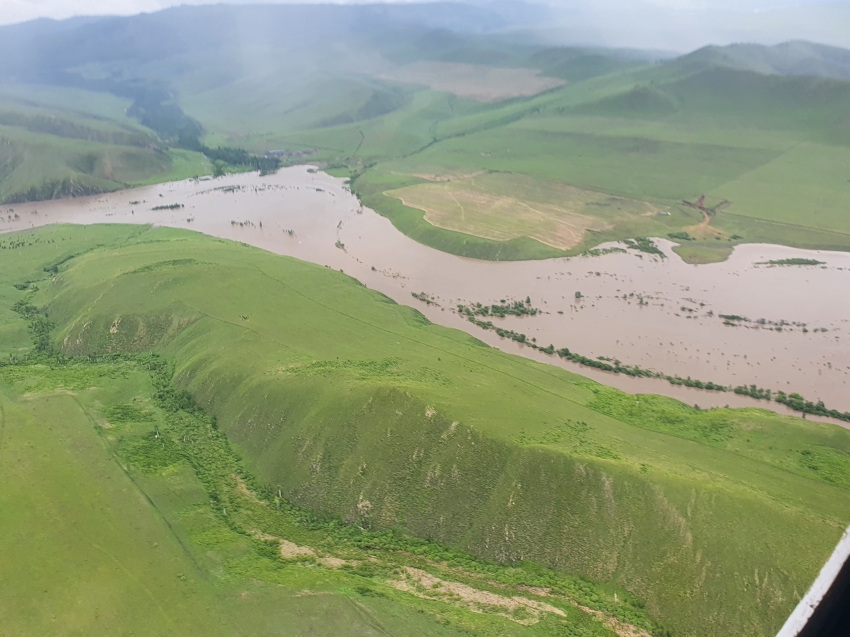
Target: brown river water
pixel 660 314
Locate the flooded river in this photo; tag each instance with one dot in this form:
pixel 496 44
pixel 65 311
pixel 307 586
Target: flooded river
pixel 789 328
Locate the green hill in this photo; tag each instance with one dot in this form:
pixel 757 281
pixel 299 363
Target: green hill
pixel 575 65
pixel 789 58
pixel 62 142
pixel 340 401
pixel 663 135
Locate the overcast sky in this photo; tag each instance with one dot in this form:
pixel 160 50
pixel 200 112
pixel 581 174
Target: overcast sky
pixel 661 24
pixel 20 10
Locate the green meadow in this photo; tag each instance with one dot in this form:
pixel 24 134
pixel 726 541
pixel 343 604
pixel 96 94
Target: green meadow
pixel 224 399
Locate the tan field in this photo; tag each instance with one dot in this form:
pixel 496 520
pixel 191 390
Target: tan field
pixel 474 81
pixel 500 206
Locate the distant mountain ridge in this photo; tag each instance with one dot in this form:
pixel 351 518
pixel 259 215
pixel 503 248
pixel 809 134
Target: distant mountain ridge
pixel 47 50
pixel 41 47
pixel 789 58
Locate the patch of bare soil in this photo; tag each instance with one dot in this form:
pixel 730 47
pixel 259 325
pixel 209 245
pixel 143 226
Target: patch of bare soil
pixel 518 609
pixel 291 551
pixel 474 81
pixel 622 629
pixel 288 550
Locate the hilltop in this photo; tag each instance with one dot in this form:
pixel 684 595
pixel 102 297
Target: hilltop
pixel 788 58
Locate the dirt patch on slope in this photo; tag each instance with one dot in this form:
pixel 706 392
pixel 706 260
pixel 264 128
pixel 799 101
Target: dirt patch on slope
pixel 518 609
pixel 292 551
pixel 474 81
pixel 622 629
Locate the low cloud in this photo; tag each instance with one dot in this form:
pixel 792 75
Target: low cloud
pixel 668 25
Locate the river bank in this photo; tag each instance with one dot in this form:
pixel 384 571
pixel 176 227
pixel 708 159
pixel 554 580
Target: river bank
pixel 767 316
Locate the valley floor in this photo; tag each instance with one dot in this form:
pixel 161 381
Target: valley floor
pixel 646 309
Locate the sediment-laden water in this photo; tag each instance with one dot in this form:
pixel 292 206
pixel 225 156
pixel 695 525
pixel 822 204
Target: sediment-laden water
pixel 790 325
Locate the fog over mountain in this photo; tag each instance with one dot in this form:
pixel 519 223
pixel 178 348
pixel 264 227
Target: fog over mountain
pixel 681 26
pixel 665 25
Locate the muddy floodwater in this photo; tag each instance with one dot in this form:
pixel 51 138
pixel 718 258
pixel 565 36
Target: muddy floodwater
pixel 740 322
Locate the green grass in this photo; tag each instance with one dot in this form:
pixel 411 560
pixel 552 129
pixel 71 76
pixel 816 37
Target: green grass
pixel 336 396
pixel 772 146
pixel 92 105
pixel 184 164
pixel 370 188
pixel 630 167
pixel 804 187
pixel 93 546
pixel 709 252
pixel 51 149
pixel 98 559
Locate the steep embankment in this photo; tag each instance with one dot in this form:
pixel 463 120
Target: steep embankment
pixel 349 403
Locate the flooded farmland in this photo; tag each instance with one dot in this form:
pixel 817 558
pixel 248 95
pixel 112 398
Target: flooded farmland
pixel 741 322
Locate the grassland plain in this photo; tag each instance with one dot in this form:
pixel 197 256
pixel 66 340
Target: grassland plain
pixel 344 402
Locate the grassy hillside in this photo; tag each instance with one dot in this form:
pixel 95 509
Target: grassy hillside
pixel 343 402
pixel 789 58
pixel 86 146
pixel 656 136
pixel 109 527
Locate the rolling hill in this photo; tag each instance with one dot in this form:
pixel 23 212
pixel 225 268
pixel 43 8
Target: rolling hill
pixel 789 58
pixel 253 389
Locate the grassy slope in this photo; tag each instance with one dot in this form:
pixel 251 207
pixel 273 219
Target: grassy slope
pixel 103 534
pixel 110 549
pixel 338 397
pixel 768 144
pixel 61 142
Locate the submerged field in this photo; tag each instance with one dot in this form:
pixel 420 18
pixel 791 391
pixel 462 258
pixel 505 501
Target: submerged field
pixel 319 393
